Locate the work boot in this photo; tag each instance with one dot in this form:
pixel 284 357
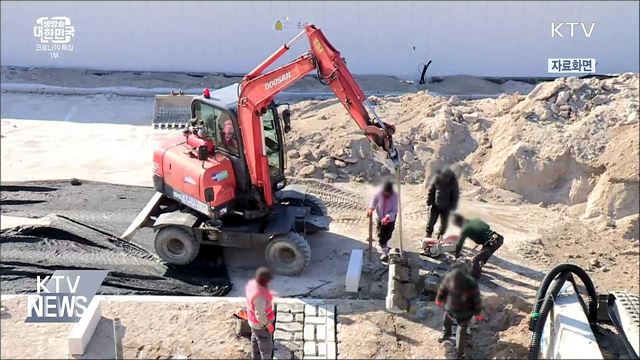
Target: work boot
pixel 385 254
pixel 444 337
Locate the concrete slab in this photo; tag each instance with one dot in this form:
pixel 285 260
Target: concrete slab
pixel 82 332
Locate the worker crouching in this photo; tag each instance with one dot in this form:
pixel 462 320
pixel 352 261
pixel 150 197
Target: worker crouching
pixel 480 232
pixel 385 206
pixel 460 295
pixel 260 314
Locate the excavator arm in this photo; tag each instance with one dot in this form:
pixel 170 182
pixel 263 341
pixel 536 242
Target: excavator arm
pixel 257 90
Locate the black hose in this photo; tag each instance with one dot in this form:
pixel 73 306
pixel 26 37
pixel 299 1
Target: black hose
pixel 549 300
pixel 424 72
pixel 552 274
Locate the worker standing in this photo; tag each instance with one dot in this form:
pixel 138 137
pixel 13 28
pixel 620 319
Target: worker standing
pixel 385 206
pixel 480 232
pixel 261 314
pixel 459 294
pixel 442 198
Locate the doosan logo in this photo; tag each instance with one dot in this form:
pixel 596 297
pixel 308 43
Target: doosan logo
pixel 279 80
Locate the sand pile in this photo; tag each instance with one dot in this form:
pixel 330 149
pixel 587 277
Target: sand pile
pixel 570 141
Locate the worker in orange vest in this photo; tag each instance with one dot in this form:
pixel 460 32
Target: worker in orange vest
pixel 261 314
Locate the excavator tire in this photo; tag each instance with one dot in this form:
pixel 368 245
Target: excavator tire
pixel 316 205
pixel 176 246
pixel 288 254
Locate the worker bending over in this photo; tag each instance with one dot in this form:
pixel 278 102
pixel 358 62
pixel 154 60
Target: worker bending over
pixel 480 232
pixel 261 314
pixel 442 198
pixel 385 205
pixel 460 295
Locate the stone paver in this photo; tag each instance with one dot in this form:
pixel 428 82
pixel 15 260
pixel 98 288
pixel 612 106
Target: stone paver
pixel 290 326
pixel 284 317
pixel 315 320
pixel 282 335
pixel 309 332
pixel 321 333
pixel 310 310
pixel 310 348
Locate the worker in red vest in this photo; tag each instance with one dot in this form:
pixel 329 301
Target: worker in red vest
pixel 261 314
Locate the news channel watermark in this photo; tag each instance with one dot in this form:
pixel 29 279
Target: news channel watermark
pixel 64 296
pixel 569 31
pixel 55 35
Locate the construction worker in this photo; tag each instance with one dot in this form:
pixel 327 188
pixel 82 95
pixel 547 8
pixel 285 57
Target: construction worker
pixel 385 205
pixel 260 314
pixel 442 198
pixel 460 295
pixel 480 232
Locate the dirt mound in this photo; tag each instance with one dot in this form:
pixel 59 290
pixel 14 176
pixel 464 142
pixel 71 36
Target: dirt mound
pixel 569 141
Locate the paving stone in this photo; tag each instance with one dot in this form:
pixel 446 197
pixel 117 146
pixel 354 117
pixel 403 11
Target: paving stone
pixel 322 349
pixel 298 336
pixel 315 320
pixel 331 329
pixel 309 332
pixel 282 335
pixel 298 355
pixel 297 308
pixel 314 357
pixel 300 317
pixel 332 350
pixel 310 348
pixel 290 327
pixel 321 333
pixel 288 345
pixel 327 310
pixel 283 308
pixel 284 317
pixel 310 310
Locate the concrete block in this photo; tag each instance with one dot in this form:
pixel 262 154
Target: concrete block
pixel 315 320
pixel 297 308
pixel 81 333
pixel 299 317
pixel 289 345
pixel 290 327
pixel 282 335
pixel 354 270
pixel 322 349
pixel 283 308
pixel 298 336
pixel 310 348
pixel 314 357
pixel 331 330
pixel 309 332
pixel 321 333
pixel 310 310
pixel 332 350
pixel 284 317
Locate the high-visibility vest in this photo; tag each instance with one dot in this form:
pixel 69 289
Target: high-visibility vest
pixel 253 290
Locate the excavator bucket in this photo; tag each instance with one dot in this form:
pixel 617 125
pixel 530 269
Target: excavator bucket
pixel 171 111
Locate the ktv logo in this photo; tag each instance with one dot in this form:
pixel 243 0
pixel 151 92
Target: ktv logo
pixel 63 296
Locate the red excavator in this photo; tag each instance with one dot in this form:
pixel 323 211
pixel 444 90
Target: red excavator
pixel 223 182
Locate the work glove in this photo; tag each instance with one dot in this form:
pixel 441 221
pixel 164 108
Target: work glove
pixel 479 317
pixel 370 212
pixel 386 219
pixel 270 328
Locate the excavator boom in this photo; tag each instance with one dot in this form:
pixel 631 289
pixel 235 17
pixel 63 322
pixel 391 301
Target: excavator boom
pixel 258 90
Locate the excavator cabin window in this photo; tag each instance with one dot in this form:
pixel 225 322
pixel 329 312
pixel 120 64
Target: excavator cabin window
pixel 272 141
pixel 219 127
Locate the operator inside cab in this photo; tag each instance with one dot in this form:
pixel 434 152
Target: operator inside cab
pixel 219 127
